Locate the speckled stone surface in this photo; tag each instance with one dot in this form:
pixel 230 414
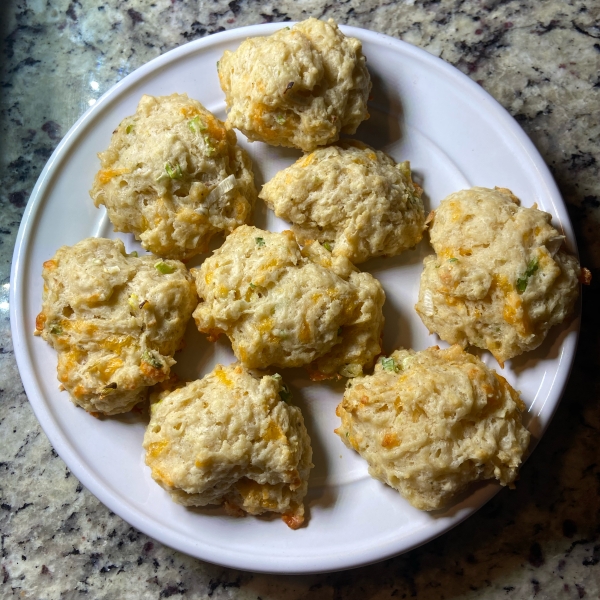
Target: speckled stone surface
pixel 541 60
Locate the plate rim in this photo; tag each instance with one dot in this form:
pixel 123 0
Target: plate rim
pixel 92 481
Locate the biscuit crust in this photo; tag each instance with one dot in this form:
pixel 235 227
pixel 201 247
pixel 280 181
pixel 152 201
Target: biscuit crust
pixel 230 438
pixel 283 306
pixel 429 423
pixel 115 321
pixel 351 196
pixel 499 280
pixel 174 176
pixel 299 87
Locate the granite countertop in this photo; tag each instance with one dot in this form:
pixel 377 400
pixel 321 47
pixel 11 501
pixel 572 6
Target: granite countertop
pixel 538 59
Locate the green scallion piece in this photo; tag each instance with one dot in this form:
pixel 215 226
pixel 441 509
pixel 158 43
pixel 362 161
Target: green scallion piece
pixel 285 393
pixel 149 358
pixel 327 246
pixel 164 268
pixel 453 260
pixel 260 242
pixel 210 149
pixel 389 364
pixel 522 281
pixel 174 172
pixel 196 125
pixel 129 128
pixel 56 330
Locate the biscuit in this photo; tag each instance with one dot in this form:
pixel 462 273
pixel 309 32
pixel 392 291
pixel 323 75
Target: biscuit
pixel 299 87
pixel 287 307
pixel 429 423
pixel 351 197
pixel 499 280
pixel 232 438
pixel 115 320
pixel 174 176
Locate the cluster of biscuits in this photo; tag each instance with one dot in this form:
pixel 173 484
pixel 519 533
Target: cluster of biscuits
pixel 428 423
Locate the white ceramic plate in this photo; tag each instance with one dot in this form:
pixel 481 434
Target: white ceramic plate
pixel 455 136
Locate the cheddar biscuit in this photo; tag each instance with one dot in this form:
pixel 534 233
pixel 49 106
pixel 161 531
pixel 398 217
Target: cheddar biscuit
pixel 352 197
pixel 232 438
pixel 174 176
pixel 429 423
pixel 299 87
pixel 283 306
pixel 115 320
pixel 499 280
